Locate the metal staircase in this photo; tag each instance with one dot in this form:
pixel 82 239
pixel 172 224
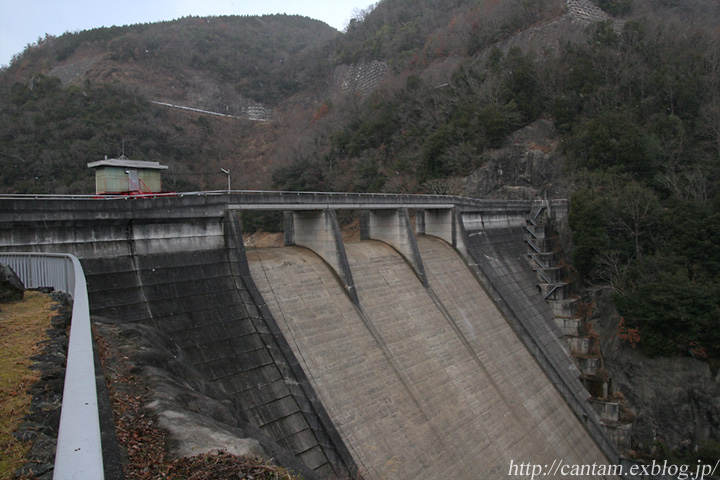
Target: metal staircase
pixel 577 336
pixel 539 240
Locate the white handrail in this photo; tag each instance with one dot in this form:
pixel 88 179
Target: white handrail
pixel 78 454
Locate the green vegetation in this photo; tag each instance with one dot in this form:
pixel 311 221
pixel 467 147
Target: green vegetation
pixel 399 139
pixel 616 7
pixel 637 111
pixel 706 452
pixel 260 221
pixel 640 117
pixel 265 58
pixel 412 33
pixel 48 134
pixel 636 108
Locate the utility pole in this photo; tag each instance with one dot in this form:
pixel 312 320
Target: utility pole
pixel 226 172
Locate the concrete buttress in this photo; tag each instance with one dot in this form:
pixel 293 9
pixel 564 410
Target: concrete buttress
pixel 319 231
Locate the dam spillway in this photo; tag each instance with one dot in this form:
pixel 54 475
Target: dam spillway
pixel 386 356
pixel 419 382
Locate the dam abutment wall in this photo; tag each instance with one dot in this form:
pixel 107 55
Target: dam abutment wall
pixel 497 248
pixel 179 265
pixel 311 406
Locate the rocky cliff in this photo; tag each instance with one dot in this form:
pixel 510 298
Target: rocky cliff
pixel 675 400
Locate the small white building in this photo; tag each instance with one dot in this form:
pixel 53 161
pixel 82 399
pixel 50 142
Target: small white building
pixel 122 176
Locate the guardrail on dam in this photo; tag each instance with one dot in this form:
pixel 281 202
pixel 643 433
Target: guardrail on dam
pixel 423 349
pixel 78 453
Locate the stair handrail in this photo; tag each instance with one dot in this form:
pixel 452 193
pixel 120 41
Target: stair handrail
pixel 539 262
pixel 531 231
pixel 552 290
pixel 534 216
pixel 533 246
pixel 544 275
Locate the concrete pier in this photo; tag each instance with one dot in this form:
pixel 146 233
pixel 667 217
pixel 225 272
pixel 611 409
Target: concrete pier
pixel 445 224
pixel 393 227
pixel 319 231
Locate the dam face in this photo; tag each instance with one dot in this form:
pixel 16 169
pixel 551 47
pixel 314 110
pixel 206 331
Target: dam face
pixel 398 357
pixel 419 382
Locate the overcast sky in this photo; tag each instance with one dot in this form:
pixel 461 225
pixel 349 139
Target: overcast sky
pixel 24 21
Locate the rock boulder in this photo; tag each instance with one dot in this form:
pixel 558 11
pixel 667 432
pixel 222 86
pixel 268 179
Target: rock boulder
pixel 11 288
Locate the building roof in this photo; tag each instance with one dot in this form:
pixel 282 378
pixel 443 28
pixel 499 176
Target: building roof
pixel 124 162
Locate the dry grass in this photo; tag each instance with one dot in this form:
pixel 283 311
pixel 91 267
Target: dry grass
pixel 22 327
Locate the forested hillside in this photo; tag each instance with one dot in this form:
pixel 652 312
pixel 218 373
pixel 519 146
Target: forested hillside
pixel 73 99
pixel 614 104
pixel 636 109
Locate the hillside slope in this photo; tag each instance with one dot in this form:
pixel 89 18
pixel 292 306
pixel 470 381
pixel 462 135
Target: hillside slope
pixel 616 107
pixel 76 98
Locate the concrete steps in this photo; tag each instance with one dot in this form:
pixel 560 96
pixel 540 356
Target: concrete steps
pixel 544 259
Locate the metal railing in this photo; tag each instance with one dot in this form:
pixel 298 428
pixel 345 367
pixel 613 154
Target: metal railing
pixel 78 454
pixel 258 196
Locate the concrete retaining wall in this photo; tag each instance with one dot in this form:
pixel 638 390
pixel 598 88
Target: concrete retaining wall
pixel 360 78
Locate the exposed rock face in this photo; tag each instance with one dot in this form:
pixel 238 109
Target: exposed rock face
pixel 11 288
pixel 525 168
pixel 676 400
pixel 185 404
pixel 74 73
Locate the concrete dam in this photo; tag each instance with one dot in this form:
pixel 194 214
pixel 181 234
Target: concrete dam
pixel 423 350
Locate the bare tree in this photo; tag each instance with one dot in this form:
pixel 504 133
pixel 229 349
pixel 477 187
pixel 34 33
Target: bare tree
pixel 612 272
pixel 637 209
pixel 710 112
pixel 446 186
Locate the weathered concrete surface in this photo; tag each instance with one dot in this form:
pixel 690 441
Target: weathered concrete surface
pixel 194 299
pixel 500 352
pixel 393 227
pixel 198 418
pixel 319 231
pixel 407 385
pixel 499 255
pixel 420 382
pixel 174 265
pixel 445 224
